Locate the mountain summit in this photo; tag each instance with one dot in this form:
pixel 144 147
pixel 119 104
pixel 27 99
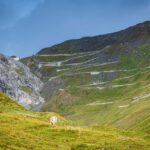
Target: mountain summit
pixel 134 35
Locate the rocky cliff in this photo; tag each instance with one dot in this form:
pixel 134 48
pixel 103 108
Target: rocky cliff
pixel 18 82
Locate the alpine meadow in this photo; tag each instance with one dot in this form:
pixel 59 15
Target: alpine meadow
pixel 88 93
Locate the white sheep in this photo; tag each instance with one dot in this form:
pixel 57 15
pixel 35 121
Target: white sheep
pixel 53 120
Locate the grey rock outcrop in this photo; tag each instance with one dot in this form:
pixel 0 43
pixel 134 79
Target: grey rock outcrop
pixel 17 81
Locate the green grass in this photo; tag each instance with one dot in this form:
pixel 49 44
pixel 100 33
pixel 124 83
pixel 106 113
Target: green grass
pixel 26 89
pixel 24 130
pixel 20 71
pixel 104 114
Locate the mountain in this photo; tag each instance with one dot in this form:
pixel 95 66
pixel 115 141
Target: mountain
pixel 133 36
pixel 98 80
pixel 22 129
pixel 17 81
pixel 99 85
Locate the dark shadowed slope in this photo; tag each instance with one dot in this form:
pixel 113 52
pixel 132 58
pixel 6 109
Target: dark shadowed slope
pixel 134 35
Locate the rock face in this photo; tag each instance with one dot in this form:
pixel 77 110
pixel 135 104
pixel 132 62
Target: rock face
pixel 18 82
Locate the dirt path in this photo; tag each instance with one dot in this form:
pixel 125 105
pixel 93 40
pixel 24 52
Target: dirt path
pixel 99 103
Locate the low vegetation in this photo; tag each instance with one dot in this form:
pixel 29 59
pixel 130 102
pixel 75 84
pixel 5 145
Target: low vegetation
pixel 26 89
pixel 22 130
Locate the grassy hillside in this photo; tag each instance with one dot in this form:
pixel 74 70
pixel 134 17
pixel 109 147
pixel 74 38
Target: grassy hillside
pixel 22 130
pixel 108 93
pixel 118 94
pixel 99 85
pixel 109 86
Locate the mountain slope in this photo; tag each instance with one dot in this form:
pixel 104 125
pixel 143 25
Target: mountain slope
pixel 18 82
pixel 103 84
pixel 133 36
pixel 21 129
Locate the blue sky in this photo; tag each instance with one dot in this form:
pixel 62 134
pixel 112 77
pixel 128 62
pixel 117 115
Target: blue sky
pixel 26 26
